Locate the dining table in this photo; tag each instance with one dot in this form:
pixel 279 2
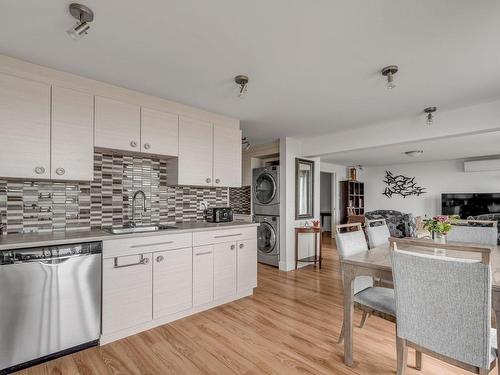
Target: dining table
pixel 376 262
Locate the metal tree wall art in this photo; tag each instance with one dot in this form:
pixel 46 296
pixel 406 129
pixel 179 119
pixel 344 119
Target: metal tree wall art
pixel 401 185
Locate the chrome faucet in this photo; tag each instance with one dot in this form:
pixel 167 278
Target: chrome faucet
pixel 134 197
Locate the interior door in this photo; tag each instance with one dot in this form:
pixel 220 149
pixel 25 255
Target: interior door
pixel 195 152
pixel 227 156
pixel 72 135
pixel 172 281
pixel 25 125
pixel 159 132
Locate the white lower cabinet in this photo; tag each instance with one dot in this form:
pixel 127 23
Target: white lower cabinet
pixel 247 264
pixel 172 281
pixel 152 280
pixel 127 292
pixel 203 275
pixel 224 269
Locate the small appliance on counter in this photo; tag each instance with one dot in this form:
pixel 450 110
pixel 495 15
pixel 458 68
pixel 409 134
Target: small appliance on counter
pixel 219 214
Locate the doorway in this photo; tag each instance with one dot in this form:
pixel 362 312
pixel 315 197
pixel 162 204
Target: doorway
pixel 328 207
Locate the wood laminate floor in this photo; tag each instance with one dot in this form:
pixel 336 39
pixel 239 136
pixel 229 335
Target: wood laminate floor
pixel 289 326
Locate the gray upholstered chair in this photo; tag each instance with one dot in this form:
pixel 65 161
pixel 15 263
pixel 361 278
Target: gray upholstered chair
pixel 368 298
pixel 399 224
pixel 443 309
pixel 474 231
pixel 378 232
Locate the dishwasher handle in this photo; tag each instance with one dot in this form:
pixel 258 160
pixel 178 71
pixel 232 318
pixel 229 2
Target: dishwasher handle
pixel 142 261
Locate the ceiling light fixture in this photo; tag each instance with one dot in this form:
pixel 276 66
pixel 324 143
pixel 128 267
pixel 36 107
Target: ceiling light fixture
pixel 242 81
pixel 389 72
pixel 414 153
pixel 430 117
pixel 84 15
pixel 245 143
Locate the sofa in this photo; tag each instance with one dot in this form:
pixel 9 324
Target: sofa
pixel 400 224
pixel 489 217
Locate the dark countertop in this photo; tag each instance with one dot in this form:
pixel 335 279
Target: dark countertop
pixel 17 241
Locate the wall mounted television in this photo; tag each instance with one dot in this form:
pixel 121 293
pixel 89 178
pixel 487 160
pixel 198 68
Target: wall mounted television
pixel 468 205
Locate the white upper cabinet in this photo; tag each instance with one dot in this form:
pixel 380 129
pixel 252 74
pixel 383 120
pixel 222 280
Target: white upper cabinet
pixel 159 132
pixel 195 152
pixel 72 135
pixel 25 128
pixel 117 125
pixel 227 156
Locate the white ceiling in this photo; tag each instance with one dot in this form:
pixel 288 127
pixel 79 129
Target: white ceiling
pixel 449 148
pixel 313 65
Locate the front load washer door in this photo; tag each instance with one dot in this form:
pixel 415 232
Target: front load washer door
pixel 265 188
pixel 266 238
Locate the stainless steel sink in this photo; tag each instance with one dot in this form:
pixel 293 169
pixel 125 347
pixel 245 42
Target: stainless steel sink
pixel 139 229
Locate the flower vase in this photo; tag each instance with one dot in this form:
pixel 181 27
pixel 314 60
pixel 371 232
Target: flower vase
pixel 439 238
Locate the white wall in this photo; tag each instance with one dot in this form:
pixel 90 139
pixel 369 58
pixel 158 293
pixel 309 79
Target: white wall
pixel 290 149
pixel 436 177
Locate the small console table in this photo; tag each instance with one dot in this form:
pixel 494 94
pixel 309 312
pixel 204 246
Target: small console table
pixel 316 258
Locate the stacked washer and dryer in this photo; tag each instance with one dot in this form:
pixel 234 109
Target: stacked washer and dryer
pixel 266 211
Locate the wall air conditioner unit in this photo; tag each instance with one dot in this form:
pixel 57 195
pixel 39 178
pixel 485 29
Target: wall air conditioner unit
pixel 482 165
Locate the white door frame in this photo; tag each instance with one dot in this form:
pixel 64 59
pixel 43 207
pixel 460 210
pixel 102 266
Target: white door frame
pixel 333 219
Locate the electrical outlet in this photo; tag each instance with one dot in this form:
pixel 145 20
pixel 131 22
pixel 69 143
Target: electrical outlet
pixel 202 205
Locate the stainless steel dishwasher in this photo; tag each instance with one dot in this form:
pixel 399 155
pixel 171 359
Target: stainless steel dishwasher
pixel 50 302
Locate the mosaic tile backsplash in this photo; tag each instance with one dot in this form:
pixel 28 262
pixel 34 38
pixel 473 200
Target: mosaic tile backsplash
pixel 36 206
pixel 239 200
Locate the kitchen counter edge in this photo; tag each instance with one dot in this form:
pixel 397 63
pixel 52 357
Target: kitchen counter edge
pixel 27 240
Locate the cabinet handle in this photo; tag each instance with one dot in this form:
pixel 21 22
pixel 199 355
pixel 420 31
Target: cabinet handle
pixel 141 262
pixel 39 170
pixel 204 253
pixel 233 247
pixel 242 246
pixel 152 244
pixel 147 146
pixel 60 171
pixel 217 180
pixel 208 180
pixel 159 258
pixel 229 235
pixel 133 143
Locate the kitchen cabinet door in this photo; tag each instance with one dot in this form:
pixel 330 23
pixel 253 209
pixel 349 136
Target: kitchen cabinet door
pixel 127 292
pixel 117 125
pixel 25 128
pixel 172 281
pixel 224 269
pixel 159 132
pixel 195 152
pixel 203 275
pixel 247 264
pixel 72 148
pixel 227 156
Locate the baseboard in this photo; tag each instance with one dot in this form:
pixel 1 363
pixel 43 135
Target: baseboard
pixel 110 337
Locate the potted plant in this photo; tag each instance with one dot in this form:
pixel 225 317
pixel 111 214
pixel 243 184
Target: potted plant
pixel 439 226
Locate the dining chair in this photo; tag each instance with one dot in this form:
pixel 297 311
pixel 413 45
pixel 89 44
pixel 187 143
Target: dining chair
pixel 443 306
pixel 483 232
pixel 378 232
pixel 370 299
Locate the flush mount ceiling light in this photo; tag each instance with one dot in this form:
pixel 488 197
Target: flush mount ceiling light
pixel 84 15
pixel 242 81
pixel 245 143
pixel 389 72
pixel 414 153
pixel 430 117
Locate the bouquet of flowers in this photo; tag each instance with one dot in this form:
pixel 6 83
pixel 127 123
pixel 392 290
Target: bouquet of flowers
pixel 440 224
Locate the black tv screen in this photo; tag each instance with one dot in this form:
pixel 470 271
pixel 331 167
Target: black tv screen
pixel 470 204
